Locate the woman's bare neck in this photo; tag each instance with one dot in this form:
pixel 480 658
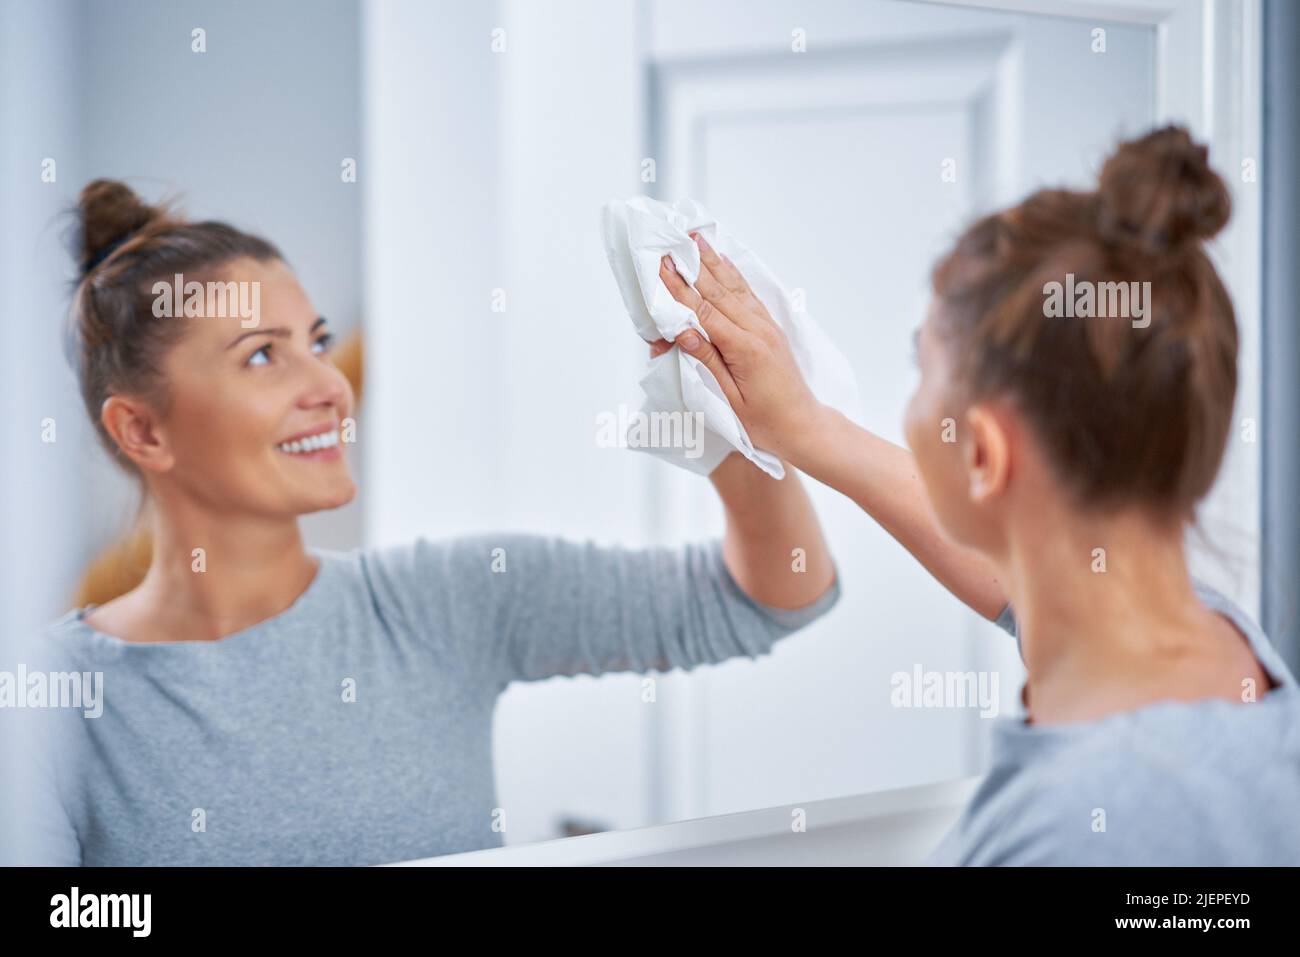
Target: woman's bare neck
pixel 197 592
pixel 1110 621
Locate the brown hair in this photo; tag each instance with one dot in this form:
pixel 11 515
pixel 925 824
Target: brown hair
pixel 123 247
pixel 1127 415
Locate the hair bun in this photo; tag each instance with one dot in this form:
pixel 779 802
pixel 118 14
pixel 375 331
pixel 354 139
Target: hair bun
pixel 109 212
pixel 1158 193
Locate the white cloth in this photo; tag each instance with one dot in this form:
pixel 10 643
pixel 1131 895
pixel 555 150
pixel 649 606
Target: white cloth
pixel 637 233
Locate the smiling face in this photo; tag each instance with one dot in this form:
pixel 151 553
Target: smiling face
pixel 253 418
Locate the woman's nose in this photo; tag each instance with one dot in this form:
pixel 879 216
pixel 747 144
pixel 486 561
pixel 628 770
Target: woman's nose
pixel 327 386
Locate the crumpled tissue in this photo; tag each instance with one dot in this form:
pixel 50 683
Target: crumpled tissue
pixel 637 233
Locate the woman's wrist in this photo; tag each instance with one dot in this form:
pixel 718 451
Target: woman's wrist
pixel 812 437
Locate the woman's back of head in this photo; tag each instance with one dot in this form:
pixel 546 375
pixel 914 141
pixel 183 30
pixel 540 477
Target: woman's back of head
pixel 1101 316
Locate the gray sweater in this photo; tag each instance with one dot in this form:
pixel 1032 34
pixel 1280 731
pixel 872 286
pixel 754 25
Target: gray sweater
pixel 356 726
pixel 1205 782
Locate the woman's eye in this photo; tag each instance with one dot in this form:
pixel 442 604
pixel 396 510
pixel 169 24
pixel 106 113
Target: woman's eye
pixel 263 355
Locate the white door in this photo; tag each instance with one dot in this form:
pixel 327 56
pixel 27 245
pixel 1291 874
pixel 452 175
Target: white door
pixel 849 167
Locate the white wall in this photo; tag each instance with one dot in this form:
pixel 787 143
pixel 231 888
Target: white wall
pixel 40 495
pixel 43 496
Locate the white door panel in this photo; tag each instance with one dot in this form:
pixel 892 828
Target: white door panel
pixel 830 164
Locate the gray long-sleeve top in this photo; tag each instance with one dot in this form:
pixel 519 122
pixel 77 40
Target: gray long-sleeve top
pixel 1208 782
pixel 356 726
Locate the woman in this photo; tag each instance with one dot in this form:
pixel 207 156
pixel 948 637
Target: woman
pixel 269 703
pixel 1063 458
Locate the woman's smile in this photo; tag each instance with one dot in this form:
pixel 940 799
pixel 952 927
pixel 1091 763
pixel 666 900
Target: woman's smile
pixel 320 445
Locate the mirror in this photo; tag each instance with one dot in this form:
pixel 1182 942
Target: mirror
pixel 435 175
pixel 845 143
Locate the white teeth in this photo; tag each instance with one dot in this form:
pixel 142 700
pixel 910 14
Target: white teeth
pixel 313 443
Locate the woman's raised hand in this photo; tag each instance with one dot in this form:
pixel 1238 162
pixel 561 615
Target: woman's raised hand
pixel 746 351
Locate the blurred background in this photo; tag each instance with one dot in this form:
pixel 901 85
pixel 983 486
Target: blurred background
pixel 846 142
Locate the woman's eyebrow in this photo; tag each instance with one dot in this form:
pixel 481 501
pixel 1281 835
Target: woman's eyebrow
pixel 278 331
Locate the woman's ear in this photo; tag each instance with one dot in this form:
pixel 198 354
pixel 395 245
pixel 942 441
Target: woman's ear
pixel 131 423
pixel 987 454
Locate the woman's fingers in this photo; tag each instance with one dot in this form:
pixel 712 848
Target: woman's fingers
pixel 722 284
pixel 659 347
pixel 746 351
pixel 723 334
pixel 697 346
pixel 720 267
pixel 712 290
pixel 722 331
